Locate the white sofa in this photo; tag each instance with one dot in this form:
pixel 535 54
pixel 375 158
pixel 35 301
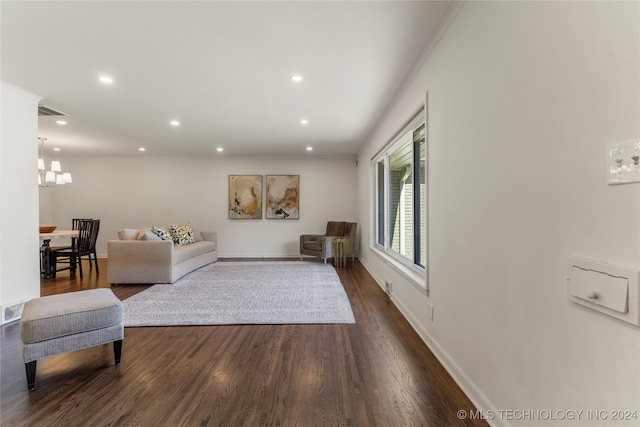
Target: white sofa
pixel 140 256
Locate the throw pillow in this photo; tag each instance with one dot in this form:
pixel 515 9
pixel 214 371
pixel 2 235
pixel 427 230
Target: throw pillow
pixel 148 235
pixel 128 234
pixel 182 234
pixel 161 232
pixel 197 235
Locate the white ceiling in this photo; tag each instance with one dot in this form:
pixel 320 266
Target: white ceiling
pixel 221 68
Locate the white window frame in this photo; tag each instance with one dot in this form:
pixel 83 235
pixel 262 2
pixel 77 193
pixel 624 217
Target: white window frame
pixel 413 272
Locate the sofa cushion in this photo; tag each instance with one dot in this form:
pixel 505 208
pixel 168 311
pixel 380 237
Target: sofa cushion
pixel 182 253
pixel 182 234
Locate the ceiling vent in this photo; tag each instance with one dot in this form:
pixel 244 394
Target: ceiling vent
pixel 43 110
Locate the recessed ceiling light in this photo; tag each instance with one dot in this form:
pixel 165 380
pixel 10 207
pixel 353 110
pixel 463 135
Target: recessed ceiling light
pixel 309 148
pixel 296 78
pixel 220 149
pixel 61 122
pixel 56 149
pixel 142 149
pixel 106 80
pixel 304 122
pixel 175 123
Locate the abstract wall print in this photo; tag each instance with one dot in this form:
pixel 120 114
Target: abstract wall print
pixel 245 196
pixel 283 196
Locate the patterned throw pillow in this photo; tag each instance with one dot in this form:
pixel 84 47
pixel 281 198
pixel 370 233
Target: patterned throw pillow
pixel 161 232
pixel 182 234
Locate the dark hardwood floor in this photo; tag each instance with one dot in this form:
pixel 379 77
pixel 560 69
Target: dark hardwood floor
pixel 377 372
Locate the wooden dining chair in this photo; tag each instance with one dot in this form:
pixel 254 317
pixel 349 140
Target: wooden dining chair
pixel 84 246
pixel 45 250
pixel 75 222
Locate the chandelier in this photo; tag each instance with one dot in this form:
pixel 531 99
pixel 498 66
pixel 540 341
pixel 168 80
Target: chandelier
pixel 53 176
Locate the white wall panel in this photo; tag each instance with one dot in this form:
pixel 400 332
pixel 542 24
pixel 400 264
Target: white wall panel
pixel 19 244
pixel 524 97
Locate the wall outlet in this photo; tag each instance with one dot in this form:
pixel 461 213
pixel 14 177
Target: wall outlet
pixel 388 286
pixel 431 311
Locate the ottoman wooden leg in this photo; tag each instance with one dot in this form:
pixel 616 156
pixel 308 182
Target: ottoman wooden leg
pixel 31 374
pixel 117 350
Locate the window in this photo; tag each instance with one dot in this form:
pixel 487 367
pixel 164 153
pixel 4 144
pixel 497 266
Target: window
pixel 401 199
pixel 380 205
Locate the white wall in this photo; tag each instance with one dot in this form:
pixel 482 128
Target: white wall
pixel 141 191
pixel 19 244
pixel 46 205
pixel 523 99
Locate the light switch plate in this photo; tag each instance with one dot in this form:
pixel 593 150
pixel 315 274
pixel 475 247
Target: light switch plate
pixel 624 162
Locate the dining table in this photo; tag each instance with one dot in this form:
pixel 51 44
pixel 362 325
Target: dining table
pixel 45 249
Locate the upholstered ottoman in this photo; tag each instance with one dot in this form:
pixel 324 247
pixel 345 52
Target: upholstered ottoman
pixel 67 322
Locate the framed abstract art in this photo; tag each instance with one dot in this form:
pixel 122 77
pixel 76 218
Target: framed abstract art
pixel 282 197
pixel 245 196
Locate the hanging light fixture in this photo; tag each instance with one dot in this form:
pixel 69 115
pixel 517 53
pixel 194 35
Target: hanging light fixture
pixel 54 176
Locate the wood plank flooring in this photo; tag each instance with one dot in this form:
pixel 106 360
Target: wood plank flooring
pixel 377 372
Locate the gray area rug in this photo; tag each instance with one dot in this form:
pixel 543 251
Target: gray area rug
pixel 233 293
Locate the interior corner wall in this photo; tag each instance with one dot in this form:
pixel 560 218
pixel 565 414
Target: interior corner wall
pixel 19 241
pixel 524 97
pixel 141 191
